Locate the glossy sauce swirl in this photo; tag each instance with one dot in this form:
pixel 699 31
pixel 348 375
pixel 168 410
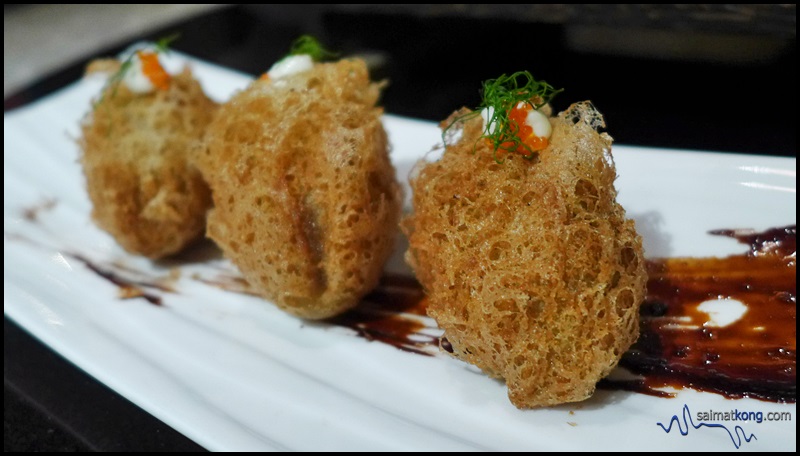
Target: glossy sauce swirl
pixel 679 347
pixel 391 315
pixel 754 356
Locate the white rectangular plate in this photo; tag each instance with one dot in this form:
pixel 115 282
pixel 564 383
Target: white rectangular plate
pixel 232 372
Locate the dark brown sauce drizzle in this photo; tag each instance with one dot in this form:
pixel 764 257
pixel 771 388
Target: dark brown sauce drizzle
pixel 131 283
pixel 128 289
pixel 393 313
pixel 752 357
pixel 390 314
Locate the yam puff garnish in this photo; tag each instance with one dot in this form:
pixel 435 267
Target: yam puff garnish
pixel 529 263
pixel 306 203
pixel 137 147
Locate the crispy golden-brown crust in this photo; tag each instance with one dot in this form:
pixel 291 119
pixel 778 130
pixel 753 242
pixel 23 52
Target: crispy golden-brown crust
pixel 137 157
pixel 306 201
pixel 531 267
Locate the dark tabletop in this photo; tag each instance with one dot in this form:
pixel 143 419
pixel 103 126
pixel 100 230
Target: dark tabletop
pixel 717 78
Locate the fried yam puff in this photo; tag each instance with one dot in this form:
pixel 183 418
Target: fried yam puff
pixel 306 201
pixel 137 157
pixel 530 266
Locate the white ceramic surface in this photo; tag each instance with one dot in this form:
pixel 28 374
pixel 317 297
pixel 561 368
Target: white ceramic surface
pixel 232 372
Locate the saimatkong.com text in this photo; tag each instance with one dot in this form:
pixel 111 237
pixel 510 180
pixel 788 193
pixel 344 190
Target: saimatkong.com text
pixel 743 416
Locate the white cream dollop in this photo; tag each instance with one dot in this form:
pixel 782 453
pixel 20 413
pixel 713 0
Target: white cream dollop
pixel 290 65
pixel 540 124
pixel 486 114
pixel 135 78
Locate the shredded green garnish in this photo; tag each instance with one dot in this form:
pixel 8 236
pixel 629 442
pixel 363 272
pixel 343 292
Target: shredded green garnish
pixel 163 44
pixel 309 45
pixel 161 47
pixel 502 95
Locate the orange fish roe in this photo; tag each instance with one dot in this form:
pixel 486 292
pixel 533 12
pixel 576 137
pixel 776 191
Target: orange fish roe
pixel 521 129
pixel 152 68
